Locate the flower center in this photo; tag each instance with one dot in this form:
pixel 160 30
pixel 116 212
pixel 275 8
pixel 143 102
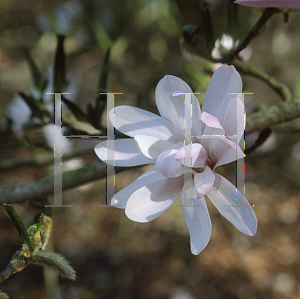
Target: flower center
pixel 198 169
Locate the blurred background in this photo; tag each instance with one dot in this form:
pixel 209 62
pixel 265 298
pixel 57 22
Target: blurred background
pixel 113 256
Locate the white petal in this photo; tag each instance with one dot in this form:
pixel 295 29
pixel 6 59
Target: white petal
pixel 196 217
pixel 171 107
pixel 150 176
pixel 192 155
pixel 211 120
pixel 166 163
pixel 150 146
pixel 125 152
pixel 224 81
pixel 225 151
pixel 235 119
pixel 212 131
pixel 204 182
pixel 233 206
pixel 150 201
pixel 134 121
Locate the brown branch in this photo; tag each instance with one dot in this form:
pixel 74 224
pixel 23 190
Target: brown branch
pixel 45 186
pixel 276 114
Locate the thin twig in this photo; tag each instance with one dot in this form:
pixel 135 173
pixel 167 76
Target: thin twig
pixel 41 159
pixel 45 186
pixel 267 14
pixel 276 114
pixel 194 48
pixel 17 264
pixel 279 87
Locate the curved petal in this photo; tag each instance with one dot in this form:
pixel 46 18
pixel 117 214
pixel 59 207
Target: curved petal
pixel 192 155
pixel 196 217
pixel 150 201
pixel 171 105
pixel 235 119
pixel 233 206
pixel 125 151
pixel 204 182
pixel 150 176
pixel 211 121
pixel 225 80
pixel 166 163
pixel 292 4
pixel 135 121
pixel 151 147
pixel 225 151
pixel 220 150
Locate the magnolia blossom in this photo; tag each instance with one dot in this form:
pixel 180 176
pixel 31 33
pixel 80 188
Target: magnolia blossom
pixel 293 4
pixel 161 140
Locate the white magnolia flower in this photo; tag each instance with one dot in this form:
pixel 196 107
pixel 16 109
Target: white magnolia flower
pixel 292 4
pixel 160 140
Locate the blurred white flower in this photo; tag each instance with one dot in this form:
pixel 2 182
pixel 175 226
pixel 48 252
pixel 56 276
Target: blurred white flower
pixel 64 19
pixel 161 140
pixel 48 131
pixel 221 45
pixel 19 112
pixel 292 4
pixel 225 44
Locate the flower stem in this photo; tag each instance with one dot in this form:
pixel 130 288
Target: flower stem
pixel 16 264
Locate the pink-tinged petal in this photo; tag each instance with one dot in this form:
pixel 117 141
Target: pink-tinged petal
pixel 233 206
pixel 212 132
pixel 235 119
pixel 125 151
pixel 151 147
pixel 292 4
pixel 225 151
pixel 225 80
pixel 134 121
pixel 221 150
pixel 192 155
pixel 166 163
pixel 211 121
pixel 204 182
pixel 171 105
pixel 196 217
pixel 150 176
pixel 211 128
pixel 150 201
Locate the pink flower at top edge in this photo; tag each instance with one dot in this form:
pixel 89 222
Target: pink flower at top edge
pixel 292 4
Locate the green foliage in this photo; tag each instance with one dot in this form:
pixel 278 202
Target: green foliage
pixel 78 113
pixel 20 226
pixel 39 82
pixel 95 114
pixel 56 262
pixel 233 19
pixel 60 81
pixel 35 106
